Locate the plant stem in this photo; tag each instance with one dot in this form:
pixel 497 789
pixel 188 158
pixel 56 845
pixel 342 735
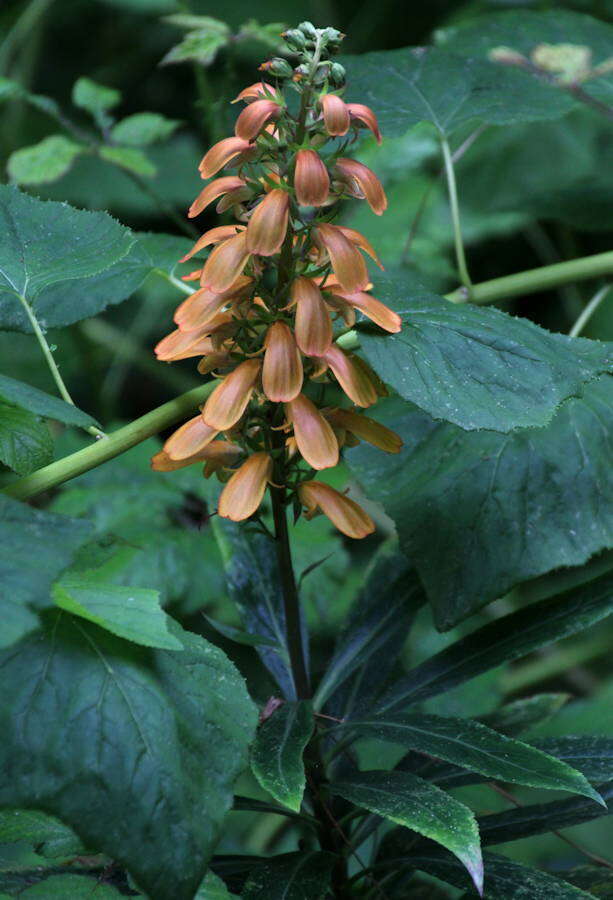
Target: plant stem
pixel 455 214
pixel 114 444
pixel 59 381
pixel 589 311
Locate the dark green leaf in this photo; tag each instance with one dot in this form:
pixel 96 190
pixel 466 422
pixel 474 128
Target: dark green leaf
pixel 291 876
pixel 27 397
pixel 129 746
pixel 25 441
pixel 522 714
pixel 50 837
pixel 475 367
pixel 238 635
pixel 75 887
pixel 597 880
pixel 276 754
pixel 143 129
pixel 409 801
pixel 43 162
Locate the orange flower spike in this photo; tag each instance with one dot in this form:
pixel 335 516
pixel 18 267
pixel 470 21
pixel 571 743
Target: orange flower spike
pixel 229 400
pixel 365 115
pixel 189 439
pixel 366 429
pixel 351 377
pixel 268 224
pixel 221 154
pixel 336 115
pixel 314 435
pixel 212 236
pixel 311 179
pixel 245 490
pixel 282 371
pixel 363 179
pixel 343 512
pixel 378 312
pixel 225 264
pixel 313 323
pixel 255 91
pixel 212 191
pixel 347 262
pixel 254 117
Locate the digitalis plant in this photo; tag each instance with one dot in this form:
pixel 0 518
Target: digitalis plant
pixel 276 291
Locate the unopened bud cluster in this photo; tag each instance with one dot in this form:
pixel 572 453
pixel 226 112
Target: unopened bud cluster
pixel 278 285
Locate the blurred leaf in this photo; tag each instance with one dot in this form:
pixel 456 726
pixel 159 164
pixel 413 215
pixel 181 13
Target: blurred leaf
pixel 27 534
pixel 129 158
pixel 25 440
pixel 143 129
pixel 477 368
pixel 27 397
pixel 276 754
pixel 43 162
pixel 50 837
pixel 523 504
pixel 131 613
pixel 291 876
pixel 9 89
pixel 122 743
pixel 96 99
pixel 409 801
pixel 597 880
pixel 200 45
pixel 238 635
pixel 77 887
pixel 269 34
pixel 520 715
pixel 190 22
pixel 213 888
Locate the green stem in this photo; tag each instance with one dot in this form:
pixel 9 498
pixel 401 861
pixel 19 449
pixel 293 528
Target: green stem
pixel 21 30
pixel 455 214
pixel 114 444
pixel 589 311
pixel 42 340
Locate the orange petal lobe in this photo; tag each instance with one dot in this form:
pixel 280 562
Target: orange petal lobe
pixel 366 181
pixel 343 512
pixel 378 312
pixel 336 115
pixel 352 378
pixel 221 154
pixel 282 370
pixel 244 492
pixel 366 429
pixel 365 115
pixel 225 264
pixel 212 236
pixel 253 118
pixel 229 400
pixel 347 262
pixel 189 439
pixel 268 224
pixel 314 435
pixel 212 191
pixel 311 179
pixel 313 323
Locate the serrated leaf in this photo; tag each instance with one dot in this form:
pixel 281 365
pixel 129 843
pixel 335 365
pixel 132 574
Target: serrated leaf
pixel 50 837
pixel 126 745
pixel 130 158
pixel 95 98
pixel 43 162
pixel 412 802
pixel 475 747
pixel 131 613
pixel 25 441
pixel 199 46
pixel 478 368
pixel 291 876
pixel 523 504
pixel 38 402
pixel 49 254
pixel 142 129
pixel 276 754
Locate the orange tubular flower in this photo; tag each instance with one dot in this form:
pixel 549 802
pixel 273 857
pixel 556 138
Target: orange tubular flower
pixel 313 322
pixel 268 224
pixel 378 312
pixel 259 89
pixel 212 191
pixel 336 115
pixel 360 241
pixel 189 439
pixel 181 345
pixel 347 262
pixel 311 179
pixel 221 154
pixel 352 378
pixel 314 436
pixel 344 513
pixel 229 400
pixel 212 236
pixel 244 492
pixel 362 183
pixel 282 371
pixel 254 117
pixel 366 429
pixel 365 115
pixel 225 264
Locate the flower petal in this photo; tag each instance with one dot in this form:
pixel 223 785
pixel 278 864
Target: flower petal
pixel 221 154
pixel 311 179
pixel 347 262
pixel 268 224
pixel 365 115
pixel 225 264
pixel 336 114
pixel 314 435
pixel 351 377
pixel 253 91
pixel 244 492
pixel 343 512
pixel 253 118
pixel 229 400
pixel 212 191
pixel 189 439
pixel 360 241
pixel 313 323
pixel 366 181
pixel 366 429
pixel 378 312
pixel 282 372
pixel 212 236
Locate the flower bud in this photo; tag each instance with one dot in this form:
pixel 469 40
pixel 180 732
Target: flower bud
pixel 229 400
pixel 337 75
pixel 278 67
pixel 295 39
pixel 282 371
pixel 268 224
pixel 311 179
pixel 189 439
pixel 308 30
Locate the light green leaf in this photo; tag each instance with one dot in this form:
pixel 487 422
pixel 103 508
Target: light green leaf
pixel 197 46
pixel 25 441
pixel 475 747
pixel 129 158
pixel 407 800
pixel 191 22
pixel 213 888
pixel 27 397
pixel 126 745
pixel 43 162
pixel 27 534
pixel 276 755
pixel 50 837
pixel 9 89
pixel 269 34
pixel 143 129
pixel 131 613
pixel 96 99
pixel 291 876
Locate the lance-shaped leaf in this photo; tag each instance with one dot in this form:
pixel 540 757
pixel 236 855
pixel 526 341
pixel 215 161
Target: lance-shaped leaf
pixel 276 754
pixel 475 747
pixel 520 715
pixel 410 801
pixel 291 876
pixel 41 404
pixel 596 880
pixel 523 504
pixel 136 749
pixel 476 367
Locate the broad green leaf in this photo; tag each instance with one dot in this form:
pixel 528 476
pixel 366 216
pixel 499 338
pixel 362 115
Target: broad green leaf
pixel 126 745
pixel 25 441
pixel 291 876
pixel 201 46
pixel 38 402
pixel 409 801
pixel 28 534
pixel 276 754
pixel 75 887
pixel 520 715
pixel 49 254
pixel 475 747
pixel 213 888
pixel 417 84
pixel 131 613
pixel 48 835
pixel 512 498
pixel 96 99
pixel 477 368
pixel 143 129
pixel 130 158
pixel 43 162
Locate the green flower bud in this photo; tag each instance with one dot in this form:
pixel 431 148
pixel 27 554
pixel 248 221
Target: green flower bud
pixel 280 67
pixel 308 30
pixel 295 39
pixel 337 75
